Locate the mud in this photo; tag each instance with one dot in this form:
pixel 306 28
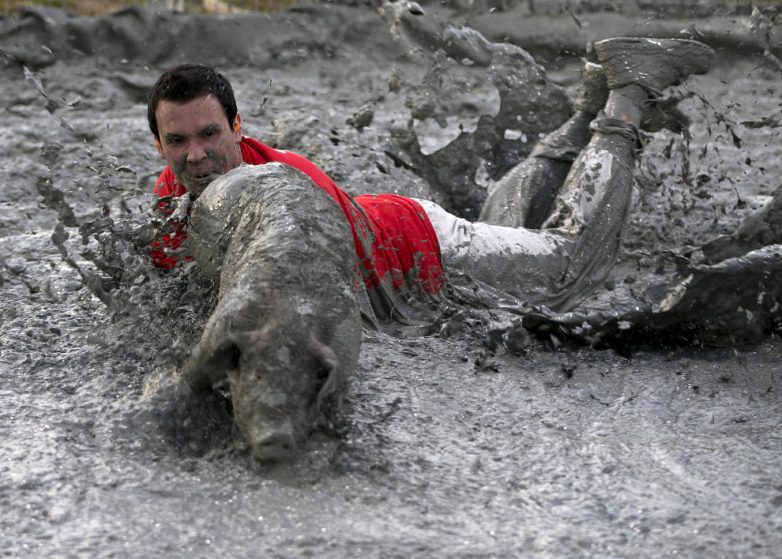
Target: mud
pixel 473 440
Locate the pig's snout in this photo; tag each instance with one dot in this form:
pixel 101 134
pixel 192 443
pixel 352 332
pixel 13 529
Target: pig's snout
pixel 272 445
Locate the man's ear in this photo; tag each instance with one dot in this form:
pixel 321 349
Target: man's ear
pixel 238 126
pixel 159 148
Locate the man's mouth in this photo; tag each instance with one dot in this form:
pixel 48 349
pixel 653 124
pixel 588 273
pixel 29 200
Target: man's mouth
pixel 202 178
pixel 196 184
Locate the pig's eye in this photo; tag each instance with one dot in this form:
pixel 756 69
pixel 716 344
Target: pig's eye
pixel 234 355
pixel 321 378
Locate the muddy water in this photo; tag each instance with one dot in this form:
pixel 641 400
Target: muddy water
pixel 447 449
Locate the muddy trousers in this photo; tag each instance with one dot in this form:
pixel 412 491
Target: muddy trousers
pixel 523 262
pixel 560 265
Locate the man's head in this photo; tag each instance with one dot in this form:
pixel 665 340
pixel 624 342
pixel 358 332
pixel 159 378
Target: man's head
pixel 193 117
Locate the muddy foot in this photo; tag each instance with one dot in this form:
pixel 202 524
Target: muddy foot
pixel 593 90
pixel 651 63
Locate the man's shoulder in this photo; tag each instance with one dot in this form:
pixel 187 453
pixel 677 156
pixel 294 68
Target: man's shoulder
pixel 273 155
pixel 256 152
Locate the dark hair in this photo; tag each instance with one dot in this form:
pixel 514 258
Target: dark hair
pixel 187 82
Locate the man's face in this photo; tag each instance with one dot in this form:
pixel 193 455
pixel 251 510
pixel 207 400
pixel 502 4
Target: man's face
pixel 197 142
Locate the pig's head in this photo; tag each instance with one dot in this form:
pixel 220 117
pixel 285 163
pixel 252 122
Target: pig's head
pixel 280 390
pixel 280 386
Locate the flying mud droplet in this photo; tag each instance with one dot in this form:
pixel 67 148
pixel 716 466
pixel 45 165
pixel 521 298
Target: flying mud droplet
pixel 362 117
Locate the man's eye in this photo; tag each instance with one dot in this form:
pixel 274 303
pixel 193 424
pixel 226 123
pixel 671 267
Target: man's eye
pixel 209 133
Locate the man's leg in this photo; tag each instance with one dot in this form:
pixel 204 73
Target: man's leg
pixel 568 261
pixel 595 199
pixel 523 262
pixel 525 196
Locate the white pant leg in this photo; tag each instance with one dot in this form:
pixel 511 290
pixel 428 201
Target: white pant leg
pixel 524 262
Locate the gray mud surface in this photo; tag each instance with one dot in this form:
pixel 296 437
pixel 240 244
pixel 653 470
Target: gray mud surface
pixel 448 449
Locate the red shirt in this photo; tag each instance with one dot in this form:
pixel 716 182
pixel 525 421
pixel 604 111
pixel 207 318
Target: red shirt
pixel 394 239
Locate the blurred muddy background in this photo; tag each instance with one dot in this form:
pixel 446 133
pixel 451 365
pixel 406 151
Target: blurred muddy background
pixel 453 445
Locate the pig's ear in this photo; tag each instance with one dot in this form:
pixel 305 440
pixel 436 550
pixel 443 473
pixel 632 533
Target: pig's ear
pixel 207 367
pixel 327 375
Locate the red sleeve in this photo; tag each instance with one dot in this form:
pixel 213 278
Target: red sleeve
pixel 159 249
pixel 167 185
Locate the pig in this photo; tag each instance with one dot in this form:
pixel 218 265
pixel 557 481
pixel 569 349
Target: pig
pixel 285 334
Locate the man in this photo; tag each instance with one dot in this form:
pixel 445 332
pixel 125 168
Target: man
pixel 404 245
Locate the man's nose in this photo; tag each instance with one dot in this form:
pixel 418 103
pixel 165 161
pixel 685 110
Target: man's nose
pixel 195 152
